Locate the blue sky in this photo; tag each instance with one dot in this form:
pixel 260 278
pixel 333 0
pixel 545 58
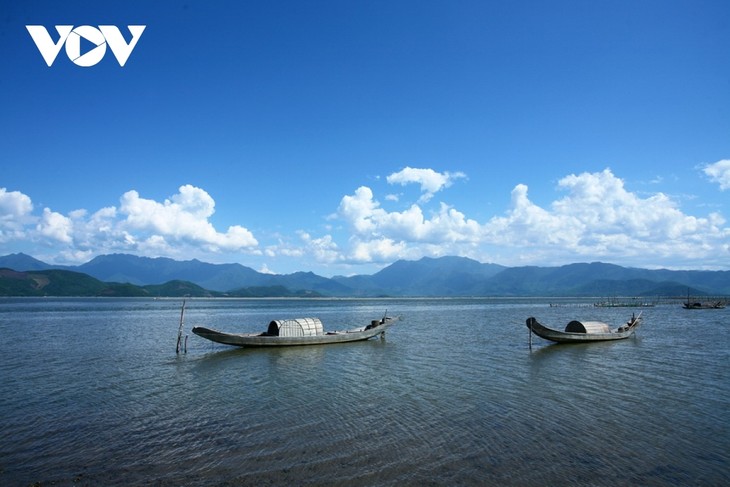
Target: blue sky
pixel 338 137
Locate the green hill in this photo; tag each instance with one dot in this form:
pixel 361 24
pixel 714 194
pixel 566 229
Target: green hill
pixel 442 276
pixel 63 283
pixel 50 283
pixel 56 282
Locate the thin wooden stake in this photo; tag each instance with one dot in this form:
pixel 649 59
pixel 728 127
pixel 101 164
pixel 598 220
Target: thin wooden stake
pixel 179 331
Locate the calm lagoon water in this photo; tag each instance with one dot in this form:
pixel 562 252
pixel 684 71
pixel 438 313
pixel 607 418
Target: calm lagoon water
pixel 94 394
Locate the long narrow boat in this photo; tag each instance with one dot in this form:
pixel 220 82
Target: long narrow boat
pixel 585 331
pixel 690 304
pixel 301 331
pixel 701 305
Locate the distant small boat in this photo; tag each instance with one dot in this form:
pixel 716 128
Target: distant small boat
pixel 585 331
pixel 690 304
pixel 700 305
pixel 301 331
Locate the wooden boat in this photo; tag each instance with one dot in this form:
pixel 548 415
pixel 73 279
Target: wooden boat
pixel 584 331
pixel 689 304
pixel 700 305
pixel 301 331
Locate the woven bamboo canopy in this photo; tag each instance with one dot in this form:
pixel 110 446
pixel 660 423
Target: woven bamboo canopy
pixel 300 327
pixel 587 327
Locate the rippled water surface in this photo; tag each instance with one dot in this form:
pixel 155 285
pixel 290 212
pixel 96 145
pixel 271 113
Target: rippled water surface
pixel 94 394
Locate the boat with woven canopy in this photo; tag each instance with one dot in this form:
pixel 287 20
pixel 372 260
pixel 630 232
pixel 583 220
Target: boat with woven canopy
pixel 585 331
pixel 300 331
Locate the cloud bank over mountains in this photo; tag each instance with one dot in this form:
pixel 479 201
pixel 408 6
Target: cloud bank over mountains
pixel 596 218
pixel 139 225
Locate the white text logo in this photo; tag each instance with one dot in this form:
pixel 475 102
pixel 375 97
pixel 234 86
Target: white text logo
pixel 71 37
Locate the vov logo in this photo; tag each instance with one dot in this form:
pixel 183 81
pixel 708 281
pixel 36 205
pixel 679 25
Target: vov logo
pixel 71 36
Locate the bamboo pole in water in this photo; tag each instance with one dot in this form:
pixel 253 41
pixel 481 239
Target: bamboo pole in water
pixel 179 331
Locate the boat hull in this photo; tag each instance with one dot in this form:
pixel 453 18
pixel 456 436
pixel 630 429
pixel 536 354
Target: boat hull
pixel 703 306
pixel 572 337
pixel 262 340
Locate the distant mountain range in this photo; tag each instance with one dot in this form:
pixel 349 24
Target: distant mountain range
pixel 116 274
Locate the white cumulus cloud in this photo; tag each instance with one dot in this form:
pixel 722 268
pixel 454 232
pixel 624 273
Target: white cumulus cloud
pixel 360 210
pixel 378 235
pixel 56 226
pixel 15 212
pixel 377 250
pixel 595 216
pixel 177 227
pixel 598 218
pixel 719 172
pixel 367 219
pixel 430 181
pixel 323 249
pixel 14 204
pixel 183 218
